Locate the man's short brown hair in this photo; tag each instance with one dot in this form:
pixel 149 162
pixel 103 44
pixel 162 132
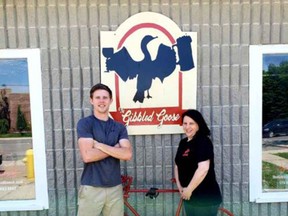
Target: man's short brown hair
pixel 100 86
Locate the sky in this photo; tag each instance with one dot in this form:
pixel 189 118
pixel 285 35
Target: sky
pixel 14 75
pixel 275 59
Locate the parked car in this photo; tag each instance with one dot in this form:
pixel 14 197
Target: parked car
pixel 278 127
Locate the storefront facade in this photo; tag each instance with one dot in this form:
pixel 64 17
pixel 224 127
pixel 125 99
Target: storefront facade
pixel 68 36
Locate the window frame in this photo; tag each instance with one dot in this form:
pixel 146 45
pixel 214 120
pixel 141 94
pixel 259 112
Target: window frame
pixel 38 136
pixel 255 125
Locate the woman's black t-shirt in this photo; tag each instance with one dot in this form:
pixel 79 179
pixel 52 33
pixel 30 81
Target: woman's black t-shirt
pixel 188 155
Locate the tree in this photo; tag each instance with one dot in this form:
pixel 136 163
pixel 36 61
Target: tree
pixel 4 126
pixel 4 108
pixel 275 92
pixel 21 121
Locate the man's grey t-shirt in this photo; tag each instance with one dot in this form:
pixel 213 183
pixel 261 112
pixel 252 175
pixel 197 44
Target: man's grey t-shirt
pixel 106 172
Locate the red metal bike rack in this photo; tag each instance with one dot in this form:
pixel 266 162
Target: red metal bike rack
pixel 127 181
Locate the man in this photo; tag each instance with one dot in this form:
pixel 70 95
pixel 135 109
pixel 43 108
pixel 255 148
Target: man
pixel 102 142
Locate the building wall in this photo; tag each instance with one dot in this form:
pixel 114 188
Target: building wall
pixel 14 101
pixel 67 32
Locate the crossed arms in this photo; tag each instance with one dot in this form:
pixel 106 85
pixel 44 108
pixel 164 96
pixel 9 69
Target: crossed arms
pixel 92 151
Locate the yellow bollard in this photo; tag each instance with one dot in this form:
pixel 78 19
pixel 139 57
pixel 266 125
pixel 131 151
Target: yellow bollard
pixel 29 160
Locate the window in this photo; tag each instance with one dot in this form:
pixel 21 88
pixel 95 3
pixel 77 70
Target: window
pixel 23 177
pixel 268 130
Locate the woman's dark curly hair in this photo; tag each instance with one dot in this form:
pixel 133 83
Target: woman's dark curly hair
pixel 198 118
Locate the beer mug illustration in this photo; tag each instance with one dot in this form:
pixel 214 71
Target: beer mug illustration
pixel 183 45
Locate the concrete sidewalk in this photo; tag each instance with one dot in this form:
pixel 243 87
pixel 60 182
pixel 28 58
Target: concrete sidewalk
pixel 269 156
pixel 14 185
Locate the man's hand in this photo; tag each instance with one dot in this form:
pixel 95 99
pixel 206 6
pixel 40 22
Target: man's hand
pixel 121 150
pixel 95 143
pixel 88 152
pixel 99 145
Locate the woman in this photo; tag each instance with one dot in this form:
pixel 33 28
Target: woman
pixel 194 168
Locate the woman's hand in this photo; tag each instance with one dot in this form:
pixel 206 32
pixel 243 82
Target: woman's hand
pixel 198 177
pixel 186 193
pixel 180 188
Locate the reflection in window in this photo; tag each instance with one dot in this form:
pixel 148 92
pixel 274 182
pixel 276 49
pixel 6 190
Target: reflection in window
pixel 17 167
pixel 275 122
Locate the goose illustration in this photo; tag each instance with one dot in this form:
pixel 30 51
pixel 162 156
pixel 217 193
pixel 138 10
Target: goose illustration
pixel 146 70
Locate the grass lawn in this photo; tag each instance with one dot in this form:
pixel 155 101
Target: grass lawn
pixel 15 135
pixel 273 176
pixel 282 154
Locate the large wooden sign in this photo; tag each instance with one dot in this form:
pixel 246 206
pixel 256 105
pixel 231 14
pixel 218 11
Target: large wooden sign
pixel 151 66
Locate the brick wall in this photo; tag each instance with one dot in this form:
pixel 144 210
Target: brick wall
pixel 14 101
